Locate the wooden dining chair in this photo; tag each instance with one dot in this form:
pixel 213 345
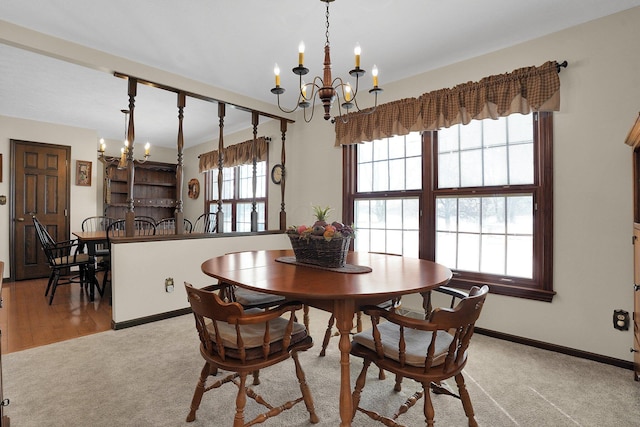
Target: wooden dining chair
pixel 142 227
pixel 427 351
pixel 147 218
pixel 63 256
pixel 168 226
pixel 205 223
pixel 99 223
pixel 243 342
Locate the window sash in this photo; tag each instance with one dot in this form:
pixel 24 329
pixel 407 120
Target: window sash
pixel 237 196
pixel 540 285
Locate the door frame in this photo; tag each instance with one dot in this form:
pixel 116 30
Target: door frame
pixel 12 191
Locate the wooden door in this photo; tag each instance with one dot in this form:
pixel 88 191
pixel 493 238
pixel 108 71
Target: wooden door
pixel 41 187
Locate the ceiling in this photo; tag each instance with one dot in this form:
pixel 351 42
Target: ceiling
pixel 234 44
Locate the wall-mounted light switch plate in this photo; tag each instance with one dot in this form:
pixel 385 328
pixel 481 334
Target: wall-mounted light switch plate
pixel 621 320
pixel 168 284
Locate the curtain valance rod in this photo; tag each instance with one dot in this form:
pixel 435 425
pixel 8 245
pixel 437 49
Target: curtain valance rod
pixel 560 65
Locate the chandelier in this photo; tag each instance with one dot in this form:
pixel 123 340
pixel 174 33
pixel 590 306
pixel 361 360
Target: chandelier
pixel 326 88
pixel 124 151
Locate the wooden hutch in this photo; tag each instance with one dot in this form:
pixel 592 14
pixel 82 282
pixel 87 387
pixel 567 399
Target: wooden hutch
pixel 154 190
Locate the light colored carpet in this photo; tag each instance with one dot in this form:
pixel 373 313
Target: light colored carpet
pixel 145 376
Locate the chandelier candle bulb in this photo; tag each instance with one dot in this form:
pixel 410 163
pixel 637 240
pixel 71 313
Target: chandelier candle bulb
pixel 347 93
pixel 303 90
pixel 147 148
pixel 374 73
pixel 301 54
pixel 276 71
pixel 357 52
pixel 103 146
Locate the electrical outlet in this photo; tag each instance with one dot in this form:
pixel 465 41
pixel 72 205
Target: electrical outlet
pixel 168 284
pixel 621 320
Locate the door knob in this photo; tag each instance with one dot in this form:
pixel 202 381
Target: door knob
pixel 19 219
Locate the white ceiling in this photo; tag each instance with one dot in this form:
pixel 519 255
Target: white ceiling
pixel 234 45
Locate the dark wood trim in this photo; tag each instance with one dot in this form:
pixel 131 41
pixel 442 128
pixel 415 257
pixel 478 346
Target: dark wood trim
pixel 540 286
pixel 625 364
pixel 187 236
pixel 198 96
pixel 149 319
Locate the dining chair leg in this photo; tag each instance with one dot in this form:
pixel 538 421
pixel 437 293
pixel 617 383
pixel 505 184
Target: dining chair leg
pixel 327 335
pixel 241 401
pixel 54 285
pixel 357 391
pixel 398 386
pixel 304 388
pixel 305 318
pixel 51 276
pixel 429 413
pixel 466 400
pixel 197 395
pixel 256 377
pixel 381 375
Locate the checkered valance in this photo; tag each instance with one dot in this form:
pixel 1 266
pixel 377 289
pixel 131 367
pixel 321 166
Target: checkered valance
pixel 521 91
pixel 234 155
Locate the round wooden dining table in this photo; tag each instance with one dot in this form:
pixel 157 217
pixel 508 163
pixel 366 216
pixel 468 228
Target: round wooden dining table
pixel 367 278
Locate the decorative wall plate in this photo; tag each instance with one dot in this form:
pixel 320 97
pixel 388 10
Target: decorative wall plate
pixel 276 174
pixel 194 188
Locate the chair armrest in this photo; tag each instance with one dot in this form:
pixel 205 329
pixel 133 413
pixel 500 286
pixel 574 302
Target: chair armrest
pixel 270 314
pixel 398 319
pixel 456 293
pixel 66 252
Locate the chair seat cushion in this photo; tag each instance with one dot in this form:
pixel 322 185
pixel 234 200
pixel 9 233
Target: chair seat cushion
pixel 247 297
pixel 417 343
pixel 253 336
pixel 77 259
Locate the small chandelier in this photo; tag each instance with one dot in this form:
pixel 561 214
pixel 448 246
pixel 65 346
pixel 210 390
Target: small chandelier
pixel 124 151
pixel 326 88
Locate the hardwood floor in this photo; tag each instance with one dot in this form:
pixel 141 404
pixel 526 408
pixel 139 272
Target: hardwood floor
pixel 27 320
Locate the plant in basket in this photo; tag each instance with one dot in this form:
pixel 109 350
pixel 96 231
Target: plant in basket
pixel 322 243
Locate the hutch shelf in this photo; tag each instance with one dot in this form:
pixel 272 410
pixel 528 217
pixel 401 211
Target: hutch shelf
pixel 154 190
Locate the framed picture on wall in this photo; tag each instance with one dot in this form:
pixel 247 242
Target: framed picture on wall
pixel 83 173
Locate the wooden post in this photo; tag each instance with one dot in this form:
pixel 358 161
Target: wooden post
pixel 179 214
pixel 254 213
pixel 220 214
pixel 130 214
pixel 283 158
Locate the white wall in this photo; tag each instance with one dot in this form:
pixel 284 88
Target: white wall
pixel 600 93
pixel 140 292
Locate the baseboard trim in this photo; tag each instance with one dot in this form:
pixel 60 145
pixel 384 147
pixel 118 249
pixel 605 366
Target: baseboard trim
pixel 149 319
pixel 557 348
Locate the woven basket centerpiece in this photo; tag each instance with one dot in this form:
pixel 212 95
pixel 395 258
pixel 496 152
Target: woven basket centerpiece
pixel 322 244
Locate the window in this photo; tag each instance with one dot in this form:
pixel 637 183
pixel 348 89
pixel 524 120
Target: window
pixel 237 196
pixel 387 200
pixel 476 198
